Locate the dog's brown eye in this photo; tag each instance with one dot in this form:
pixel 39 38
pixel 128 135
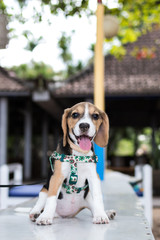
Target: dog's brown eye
pixel 75 115
pixel 95 116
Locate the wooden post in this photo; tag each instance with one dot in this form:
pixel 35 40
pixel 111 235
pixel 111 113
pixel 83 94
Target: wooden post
pixel 99 90
pixel 44 145
pixel 28 142
pixel 3 130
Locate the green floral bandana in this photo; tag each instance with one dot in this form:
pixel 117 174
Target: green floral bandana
pixel 73 160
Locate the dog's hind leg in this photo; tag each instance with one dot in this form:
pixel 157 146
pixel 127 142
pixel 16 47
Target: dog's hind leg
pixel 39 206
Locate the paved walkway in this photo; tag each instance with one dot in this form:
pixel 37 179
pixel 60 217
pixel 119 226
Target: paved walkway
pixel 130 223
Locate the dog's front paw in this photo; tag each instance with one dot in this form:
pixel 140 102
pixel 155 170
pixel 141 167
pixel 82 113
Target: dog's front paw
pixel 111 214
pixel 44 219
pixel 103 219
pixel 38 208
pixel 34 214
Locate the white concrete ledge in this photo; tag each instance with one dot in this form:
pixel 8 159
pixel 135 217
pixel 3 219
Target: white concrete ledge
pixel 129 224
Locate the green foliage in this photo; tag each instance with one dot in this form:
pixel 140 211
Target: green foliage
pixel 32 42
pixel 91 48
pixel 69 7
pixel 128 35
pixel 156 153
pixel 153 150
pixel 64 45
pixel 118 51
pixel 73 69
pixel 144 140
pixel 125 147
pixel 136 18
pixel 131 142
pixel 138 15
pixel 34 71
pixel 2 6
pixel 122 142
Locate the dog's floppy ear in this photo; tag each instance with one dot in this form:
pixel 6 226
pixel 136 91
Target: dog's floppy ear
pixel 64 125
pixel 101 138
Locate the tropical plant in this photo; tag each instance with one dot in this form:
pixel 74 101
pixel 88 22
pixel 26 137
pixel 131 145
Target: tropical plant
pixel 135 17
pixel 66 56
pixel 33 71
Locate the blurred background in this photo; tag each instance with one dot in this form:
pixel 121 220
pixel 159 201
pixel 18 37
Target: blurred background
pixel 46 65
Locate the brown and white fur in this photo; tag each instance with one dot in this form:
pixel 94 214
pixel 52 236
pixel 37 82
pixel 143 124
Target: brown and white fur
pixel 82 119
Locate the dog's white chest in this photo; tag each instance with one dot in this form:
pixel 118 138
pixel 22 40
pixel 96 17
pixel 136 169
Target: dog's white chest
pixel 70 204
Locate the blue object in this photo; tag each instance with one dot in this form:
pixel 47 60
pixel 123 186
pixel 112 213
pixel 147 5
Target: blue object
pixel 25 191
pixel 100 152
pixel 138 190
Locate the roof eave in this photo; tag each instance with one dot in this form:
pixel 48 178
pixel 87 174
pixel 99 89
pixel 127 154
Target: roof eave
pixel 14 94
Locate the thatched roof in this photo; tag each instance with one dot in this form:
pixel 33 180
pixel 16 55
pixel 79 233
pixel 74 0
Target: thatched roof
pixel 129 76
pixel 10 86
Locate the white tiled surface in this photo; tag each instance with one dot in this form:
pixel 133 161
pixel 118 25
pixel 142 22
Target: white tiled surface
pixel 130 223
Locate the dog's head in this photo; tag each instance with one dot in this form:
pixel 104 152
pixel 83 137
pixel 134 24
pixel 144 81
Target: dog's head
pixel 83 123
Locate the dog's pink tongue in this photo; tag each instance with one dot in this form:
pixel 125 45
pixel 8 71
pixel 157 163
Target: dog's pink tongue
pixel 85 143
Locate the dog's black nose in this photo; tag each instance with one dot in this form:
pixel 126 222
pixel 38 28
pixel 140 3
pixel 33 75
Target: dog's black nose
pixel 84 127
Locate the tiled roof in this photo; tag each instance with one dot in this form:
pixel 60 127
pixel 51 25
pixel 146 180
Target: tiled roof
pixel 10 85
pixel 126 77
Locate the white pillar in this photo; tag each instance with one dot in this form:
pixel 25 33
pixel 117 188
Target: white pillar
pixel 144 172
pixel 4 179
pixel 3 130
pixel 44 146
pixel 138 171
pixel 28 142
pixel 147 185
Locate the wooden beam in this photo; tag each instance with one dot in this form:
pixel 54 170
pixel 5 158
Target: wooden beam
pixel 44 145
pixel 3 130
pixel 46 101
pixel 28 141
pixel 99 93
pixel 52 108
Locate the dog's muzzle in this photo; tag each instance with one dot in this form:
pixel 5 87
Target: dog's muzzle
pixel 84 127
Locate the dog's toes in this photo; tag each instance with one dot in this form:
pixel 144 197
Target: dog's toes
pixel 111 214
pixel 100 220
pixel 31 216
pixel 42 220
pixel 34 216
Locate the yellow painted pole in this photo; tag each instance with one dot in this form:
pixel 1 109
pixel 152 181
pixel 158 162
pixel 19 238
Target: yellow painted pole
pixel 99 91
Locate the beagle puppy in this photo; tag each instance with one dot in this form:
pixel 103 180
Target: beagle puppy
pixel 81 124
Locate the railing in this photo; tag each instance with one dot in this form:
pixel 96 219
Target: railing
pixel 16 171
